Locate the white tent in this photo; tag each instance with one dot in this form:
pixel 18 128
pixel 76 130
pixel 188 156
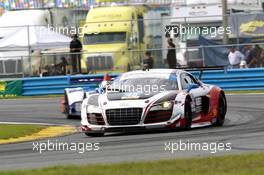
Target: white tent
pixel 32 38
pixel 12 21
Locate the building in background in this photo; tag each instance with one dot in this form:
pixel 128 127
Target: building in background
pixel 25 4
pixel 29 4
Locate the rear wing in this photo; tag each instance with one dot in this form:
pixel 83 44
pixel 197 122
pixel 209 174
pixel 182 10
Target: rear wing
pixel 202 69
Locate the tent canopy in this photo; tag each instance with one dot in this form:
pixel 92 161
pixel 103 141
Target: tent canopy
pixel 34 37
pixel 12 21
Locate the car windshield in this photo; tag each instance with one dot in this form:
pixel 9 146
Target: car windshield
pixel 104 38
pixel 143 85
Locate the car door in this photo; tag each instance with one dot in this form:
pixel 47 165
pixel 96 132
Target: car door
pixel 198 94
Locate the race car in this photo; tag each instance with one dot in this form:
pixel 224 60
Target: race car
pixel 152 99
pixel 70 103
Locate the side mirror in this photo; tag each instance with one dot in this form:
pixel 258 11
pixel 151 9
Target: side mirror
pixel 192 86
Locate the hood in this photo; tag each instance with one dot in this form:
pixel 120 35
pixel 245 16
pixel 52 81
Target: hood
pixel 113 96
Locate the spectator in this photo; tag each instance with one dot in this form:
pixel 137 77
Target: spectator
pixel 63 66
pixel 262 58
pixel 235 57
pixel 75 49
pixel 171 55
pixel 35 62
pixel 251 56
pixel 258 50
pixel 148 61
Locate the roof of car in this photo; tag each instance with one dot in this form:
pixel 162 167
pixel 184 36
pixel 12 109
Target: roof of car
pixel 158 73
pixel 150 71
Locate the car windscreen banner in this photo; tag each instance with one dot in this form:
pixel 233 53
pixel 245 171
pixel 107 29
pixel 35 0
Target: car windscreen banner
pixel 11 88
pixel 249 25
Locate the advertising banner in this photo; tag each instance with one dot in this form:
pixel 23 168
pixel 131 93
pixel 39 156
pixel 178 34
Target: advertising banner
pixel 247 26
pixel 11 88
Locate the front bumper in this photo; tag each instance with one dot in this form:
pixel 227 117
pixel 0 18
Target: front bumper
pixel 174 123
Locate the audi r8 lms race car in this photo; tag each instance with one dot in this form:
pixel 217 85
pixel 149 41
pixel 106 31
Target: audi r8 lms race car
pixel 71 103
pixel 158 98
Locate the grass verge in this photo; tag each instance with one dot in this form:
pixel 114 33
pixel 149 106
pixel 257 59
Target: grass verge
pixel 14 131
pixel 248 164
pixel 29 97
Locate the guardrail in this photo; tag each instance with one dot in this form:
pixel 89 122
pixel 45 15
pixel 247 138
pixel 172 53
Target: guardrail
pixel 56 85
pixel 234 79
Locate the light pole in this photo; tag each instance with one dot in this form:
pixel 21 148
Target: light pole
pixel 225 21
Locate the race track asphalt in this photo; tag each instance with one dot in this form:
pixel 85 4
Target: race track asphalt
pixel 243 130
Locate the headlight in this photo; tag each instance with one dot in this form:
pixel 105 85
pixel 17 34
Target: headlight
pixel 167 105
pixel 93 109
pixel 78 106
pixel 167 98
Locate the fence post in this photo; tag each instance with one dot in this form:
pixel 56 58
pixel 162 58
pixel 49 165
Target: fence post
pixel 4 67
pixel 29 50
pixel 203 55
pixel 22 67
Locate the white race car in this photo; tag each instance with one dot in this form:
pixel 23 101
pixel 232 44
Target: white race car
pixel 158 98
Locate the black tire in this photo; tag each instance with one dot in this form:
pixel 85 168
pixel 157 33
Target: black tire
pixel 95 134
pixel 187 115
pixel 70 116
pixel 221 111
pixel 67 107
